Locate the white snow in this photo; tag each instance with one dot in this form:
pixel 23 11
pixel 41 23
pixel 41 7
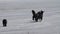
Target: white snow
pixel 19 16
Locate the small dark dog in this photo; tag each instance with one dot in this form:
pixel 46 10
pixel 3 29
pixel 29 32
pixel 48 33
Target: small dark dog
pixel 4 22
pixel 37 16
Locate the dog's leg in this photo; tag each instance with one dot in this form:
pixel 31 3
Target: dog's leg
pixel 33 18
pixel 41 18
pixel 36 19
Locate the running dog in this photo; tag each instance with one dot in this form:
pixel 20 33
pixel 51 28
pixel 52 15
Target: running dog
pixel 38 15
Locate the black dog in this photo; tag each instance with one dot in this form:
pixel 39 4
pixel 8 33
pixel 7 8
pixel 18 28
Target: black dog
pixel 4 22
pixel 37 16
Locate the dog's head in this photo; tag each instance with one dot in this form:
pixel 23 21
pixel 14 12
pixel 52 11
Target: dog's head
pixel 42 11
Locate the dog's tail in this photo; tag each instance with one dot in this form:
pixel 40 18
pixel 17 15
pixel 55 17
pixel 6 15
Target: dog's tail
pixel 33 12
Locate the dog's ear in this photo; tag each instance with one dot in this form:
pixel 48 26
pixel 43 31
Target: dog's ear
pixel 33 12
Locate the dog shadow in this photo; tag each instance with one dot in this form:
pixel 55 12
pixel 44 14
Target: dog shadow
pixel 32 21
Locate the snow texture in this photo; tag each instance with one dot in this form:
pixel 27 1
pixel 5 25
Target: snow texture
pixel 19 16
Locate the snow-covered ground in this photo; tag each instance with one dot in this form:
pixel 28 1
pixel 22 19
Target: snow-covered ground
pixel 19 16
